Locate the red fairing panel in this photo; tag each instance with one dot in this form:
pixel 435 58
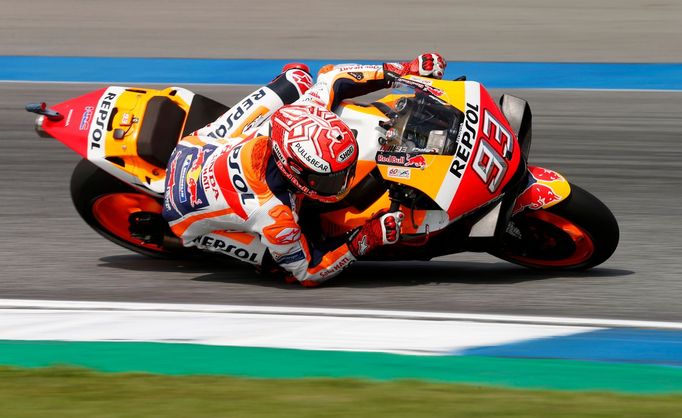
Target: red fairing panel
pixel 481 167
pixel 73 130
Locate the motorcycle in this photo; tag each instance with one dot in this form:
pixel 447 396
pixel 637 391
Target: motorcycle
pixel 444 152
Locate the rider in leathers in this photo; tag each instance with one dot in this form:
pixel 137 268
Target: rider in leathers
pixel 234 186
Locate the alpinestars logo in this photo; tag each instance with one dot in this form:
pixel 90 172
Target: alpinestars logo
pixel 362 245
pixel 301 79
pixel 288 236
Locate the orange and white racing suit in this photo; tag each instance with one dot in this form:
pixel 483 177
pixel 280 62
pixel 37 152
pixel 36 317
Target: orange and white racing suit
pixel 224 193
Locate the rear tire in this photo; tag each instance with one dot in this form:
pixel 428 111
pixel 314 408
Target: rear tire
pixel 104 203
pixel 575 234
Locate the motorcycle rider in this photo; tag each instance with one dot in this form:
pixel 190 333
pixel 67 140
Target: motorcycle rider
pixel 234 186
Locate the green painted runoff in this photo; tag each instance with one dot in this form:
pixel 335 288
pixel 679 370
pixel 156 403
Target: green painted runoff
pixel 192 359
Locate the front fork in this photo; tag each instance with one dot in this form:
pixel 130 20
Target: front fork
pixel 537 188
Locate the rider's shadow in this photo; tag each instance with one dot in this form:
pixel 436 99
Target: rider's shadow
pixel 419 273
pixel 386 274
pixel 359 275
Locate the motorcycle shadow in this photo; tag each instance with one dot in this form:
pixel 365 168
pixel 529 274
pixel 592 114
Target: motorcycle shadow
pixel 415 273
pixel 362 274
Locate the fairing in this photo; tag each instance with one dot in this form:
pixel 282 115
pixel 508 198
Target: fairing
pixel 460 151
pixel 544 188
pixel 74 128
pixel 103 127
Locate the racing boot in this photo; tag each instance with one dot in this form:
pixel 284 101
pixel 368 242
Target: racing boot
pixel 149 227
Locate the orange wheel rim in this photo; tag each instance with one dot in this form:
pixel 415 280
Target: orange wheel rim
pixel 584 246
pixel 112 212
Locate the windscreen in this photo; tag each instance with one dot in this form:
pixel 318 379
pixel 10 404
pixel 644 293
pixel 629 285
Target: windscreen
pixel 421 122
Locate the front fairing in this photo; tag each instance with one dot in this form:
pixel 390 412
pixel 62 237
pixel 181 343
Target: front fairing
pixel 465 160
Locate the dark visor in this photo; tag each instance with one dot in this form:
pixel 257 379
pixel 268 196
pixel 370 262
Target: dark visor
pixel 328 184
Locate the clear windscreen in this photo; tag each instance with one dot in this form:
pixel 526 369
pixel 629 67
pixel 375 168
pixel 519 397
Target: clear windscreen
pixel 421 120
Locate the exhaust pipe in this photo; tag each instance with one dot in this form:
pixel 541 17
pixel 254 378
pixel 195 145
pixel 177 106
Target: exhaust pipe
pixel 39 127
pixel 43 113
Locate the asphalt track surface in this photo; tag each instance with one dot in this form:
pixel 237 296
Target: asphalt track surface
pixel 625 147
pixel 485 30
pixel 622 146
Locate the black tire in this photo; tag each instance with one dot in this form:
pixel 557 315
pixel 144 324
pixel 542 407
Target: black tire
pixel 581 209
pixel 90 183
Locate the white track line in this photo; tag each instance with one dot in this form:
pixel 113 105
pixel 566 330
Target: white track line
pixel 331 312
pixel 249 326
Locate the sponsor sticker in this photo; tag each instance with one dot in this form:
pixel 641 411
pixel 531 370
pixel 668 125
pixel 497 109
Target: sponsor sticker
pixel 289 258
pixel 229 119
pixel 356 75
pixel 86 118
pixel 311 160
pixel 68 118
pixel 98 129
pixel 186 163
pixel 126 119
pixel 288 236
pixel 466 141
pixel 346 154
pixel 217 244
pixel 399 173
pixel 301 79
pixel 336 267
pixel 401 159
pixel 536 196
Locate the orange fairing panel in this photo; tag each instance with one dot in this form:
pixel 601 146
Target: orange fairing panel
pixel 416 221
pixel 427 174
pixel 116 149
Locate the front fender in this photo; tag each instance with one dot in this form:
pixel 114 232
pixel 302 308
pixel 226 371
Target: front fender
pixel 545 188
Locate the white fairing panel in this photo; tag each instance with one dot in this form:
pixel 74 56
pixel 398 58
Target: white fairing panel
pixel 368 130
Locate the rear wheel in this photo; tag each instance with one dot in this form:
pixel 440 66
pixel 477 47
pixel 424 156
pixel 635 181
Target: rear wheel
pixel 576 234
pixel 105 203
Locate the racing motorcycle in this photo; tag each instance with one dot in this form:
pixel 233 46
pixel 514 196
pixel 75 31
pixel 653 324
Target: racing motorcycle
pixel 444 152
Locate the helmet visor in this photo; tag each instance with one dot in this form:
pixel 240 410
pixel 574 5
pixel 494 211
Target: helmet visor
pixel 332 184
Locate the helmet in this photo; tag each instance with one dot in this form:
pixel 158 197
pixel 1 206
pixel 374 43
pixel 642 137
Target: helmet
pixel 315 150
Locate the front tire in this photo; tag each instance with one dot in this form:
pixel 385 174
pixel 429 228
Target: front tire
pixel 575 234
pixel 104 203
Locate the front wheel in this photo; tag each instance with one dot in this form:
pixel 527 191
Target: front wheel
pixel 576 234
pixel 105 203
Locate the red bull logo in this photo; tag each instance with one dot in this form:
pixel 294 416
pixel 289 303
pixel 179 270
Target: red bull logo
pixel 536 196
pixel 169 202
pixel 192 190
pixel 417 161
pixel 544 174
pixel 193 179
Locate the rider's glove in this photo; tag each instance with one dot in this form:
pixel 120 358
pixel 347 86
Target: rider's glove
pixel 431 65
pixel 382 230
